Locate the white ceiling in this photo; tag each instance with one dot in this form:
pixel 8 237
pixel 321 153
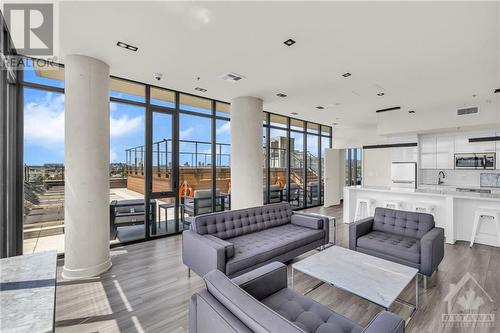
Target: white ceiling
pixel 420 54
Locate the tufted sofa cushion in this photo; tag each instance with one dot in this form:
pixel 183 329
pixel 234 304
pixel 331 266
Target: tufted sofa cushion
pixel 256 248
pixel 307 314
pixel 407 248
pixel 403 223
pixel 235 223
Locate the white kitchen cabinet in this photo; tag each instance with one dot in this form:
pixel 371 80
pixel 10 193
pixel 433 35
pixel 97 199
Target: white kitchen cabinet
pixel 428 152
pixel 404 154
pixel 445 152
pixel 497 143
pixel 462 144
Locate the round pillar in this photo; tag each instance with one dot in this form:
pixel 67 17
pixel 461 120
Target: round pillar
pixel 246 151
pixel 86 159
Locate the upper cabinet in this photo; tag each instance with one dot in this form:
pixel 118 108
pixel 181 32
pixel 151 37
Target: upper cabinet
pixel 444 152
pixel 428 151
pixel 438 151
pixel 462 144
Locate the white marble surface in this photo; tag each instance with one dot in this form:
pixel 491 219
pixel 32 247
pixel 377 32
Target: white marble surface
pixel 377 280
pixel 438 191
pixel 27 293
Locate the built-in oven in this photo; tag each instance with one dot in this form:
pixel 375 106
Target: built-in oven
pixel 483 161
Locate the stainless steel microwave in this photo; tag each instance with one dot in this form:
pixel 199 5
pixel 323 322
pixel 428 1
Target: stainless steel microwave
pixel 480 161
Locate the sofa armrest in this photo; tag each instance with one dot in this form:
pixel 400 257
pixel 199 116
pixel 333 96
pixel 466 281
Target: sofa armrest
pixel 314 222
pixel 202 254
pixel 263 281
pixel 358 229
pixel 431 250
pixel 385 322
pixel 228 246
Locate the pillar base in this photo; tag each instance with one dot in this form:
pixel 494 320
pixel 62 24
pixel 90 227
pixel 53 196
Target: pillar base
pixel 85 273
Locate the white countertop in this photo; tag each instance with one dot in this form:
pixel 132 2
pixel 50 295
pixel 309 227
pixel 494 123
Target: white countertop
pixel 27 293
pixel 445 191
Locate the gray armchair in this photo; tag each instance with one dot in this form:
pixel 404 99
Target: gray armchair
pixel 408 238
pixel 260 301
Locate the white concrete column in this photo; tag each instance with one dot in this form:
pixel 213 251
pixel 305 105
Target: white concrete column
pixel 246 152
pixel 86 159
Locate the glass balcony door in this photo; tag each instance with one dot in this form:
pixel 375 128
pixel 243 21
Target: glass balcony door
pixel 162 174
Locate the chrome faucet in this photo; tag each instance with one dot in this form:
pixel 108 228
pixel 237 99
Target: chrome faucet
pixel 440 180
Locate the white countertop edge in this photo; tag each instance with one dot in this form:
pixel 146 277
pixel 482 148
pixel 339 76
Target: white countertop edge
pixel 464 195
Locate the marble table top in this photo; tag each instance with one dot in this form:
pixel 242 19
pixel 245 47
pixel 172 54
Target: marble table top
pixel 374 279
pixel 27 292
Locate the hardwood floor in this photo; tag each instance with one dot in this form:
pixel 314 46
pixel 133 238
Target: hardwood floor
pixel 147 290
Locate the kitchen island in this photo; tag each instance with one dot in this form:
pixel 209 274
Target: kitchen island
pixel 453 211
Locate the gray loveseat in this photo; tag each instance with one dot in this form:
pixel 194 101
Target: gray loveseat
pixel 259 301
pixel 238 241
pixel 408 238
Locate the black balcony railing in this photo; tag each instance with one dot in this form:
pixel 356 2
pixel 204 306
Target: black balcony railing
pixel 192 154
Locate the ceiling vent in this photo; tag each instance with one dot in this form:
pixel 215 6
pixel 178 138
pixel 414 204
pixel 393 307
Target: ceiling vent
pixel 232 77
pixel 465 111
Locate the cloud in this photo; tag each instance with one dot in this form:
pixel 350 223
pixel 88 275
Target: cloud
pixel 124 125
pixel 184 134
pixel 112 155
pixel 44 121
pixel 225 128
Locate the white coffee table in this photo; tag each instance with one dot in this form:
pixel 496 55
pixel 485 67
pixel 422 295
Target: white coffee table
pixel 376 280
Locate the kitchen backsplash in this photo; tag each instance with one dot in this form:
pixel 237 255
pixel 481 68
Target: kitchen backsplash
pixel 464 178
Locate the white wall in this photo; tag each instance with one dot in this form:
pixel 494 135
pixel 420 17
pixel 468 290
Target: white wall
pixel 333 172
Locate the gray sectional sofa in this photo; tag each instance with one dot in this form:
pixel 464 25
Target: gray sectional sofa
pixel 238 241
pixel 259 301
pixel 408 238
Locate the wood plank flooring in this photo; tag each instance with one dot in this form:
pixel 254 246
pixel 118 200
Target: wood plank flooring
pixel 147 290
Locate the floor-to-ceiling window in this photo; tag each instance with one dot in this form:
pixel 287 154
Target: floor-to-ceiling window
pixel 297 161
pixel 160 140
pixel 223 155
pixel 313 164
pixel 326 143
pixel 43 99
pixel 293 160
pixel 353 166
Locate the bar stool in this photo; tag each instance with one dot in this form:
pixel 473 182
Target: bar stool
pixel 424 207
pixel 393 204
pixel 485 212
pixel 359 206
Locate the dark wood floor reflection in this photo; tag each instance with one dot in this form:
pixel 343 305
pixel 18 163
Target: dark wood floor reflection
pixel 147 290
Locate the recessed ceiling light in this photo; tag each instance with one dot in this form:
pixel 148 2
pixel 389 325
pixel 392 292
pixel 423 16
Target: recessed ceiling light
pixel 294 113
pixel 411 111
pixel 346 74
pixel 281 95
pixel 380 94
pixel 232 77
pixel 200 89
pixel 320 107
pixel 127 46
pixel 497 91
pixel 289 42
